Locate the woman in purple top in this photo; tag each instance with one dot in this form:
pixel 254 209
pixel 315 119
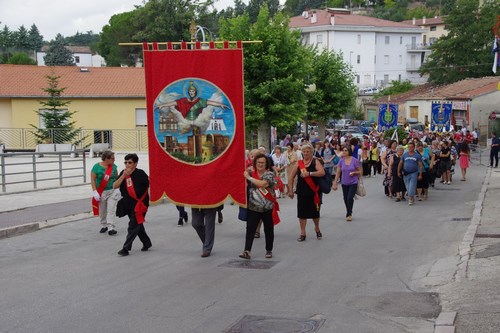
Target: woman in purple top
pixel 349 170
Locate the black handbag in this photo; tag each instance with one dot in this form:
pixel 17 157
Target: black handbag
pixel 324 183
pixel 120 209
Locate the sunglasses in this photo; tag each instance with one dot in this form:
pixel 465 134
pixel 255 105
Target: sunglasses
pixel 128 162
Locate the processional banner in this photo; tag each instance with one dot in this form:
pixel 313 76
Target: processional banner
pixel 441 116
pixel 195 123
pixel 387 116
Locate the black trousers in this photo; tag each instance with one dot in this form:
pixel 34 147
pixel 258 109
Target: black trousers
pixel 349 191
pixel 135 229
pixel 494 155
pixel 253 219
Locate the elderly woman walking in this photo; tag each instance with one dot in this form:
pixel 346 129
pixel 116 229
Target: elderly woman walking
pixel 349 171
pixel 308 200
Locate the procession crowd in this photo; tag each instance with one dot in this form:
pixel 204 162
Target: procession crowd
pixel 407 169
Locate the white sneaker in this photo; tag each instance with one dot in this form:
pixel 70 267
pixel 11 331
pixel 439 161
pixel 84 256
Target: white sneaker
pixel 449 183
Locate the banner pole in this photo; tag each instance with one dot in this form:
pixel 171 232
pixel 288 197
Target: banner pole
pixel 190 43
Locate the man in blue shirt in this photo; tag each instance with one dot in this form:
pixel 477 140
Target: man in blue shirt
pixel 410 168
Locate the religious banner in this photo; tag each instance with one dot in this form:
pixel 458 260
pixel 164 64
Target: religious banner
pixel 387 116
pixel 441 116
pixel 195 123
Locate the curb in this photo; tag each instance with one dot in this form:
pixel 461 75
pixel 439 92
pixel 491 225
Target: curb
pixel 35 226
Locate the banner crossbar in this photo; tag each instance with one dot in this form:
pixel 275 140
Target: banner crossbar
pixel 190 43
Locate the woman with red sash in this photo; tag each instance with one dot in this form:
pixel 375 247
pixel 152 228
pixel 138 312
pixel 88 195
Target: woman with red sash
pixel 262 204
pixel 134 186
pixel 308 196
pixel 104 199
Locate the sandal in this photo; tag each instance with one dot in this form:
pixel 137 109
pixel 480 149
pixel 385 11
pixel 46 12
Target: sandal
pixel 257 235
pixel 319 235
pixel 301 238
pixel 245 255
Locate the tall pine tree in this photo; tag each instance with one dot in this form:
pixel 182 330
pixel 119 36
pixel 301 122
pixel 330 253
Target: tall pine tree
pixel 59 127
pixel 58 54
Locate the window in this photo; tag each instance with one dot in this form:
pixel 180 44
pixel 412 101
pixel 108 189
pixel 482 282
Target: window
pixel 400 59
pixel 433 28
pixel 399 77
pixel 77 59
pixel 375 59
pixel 387 39
pixel 319 39
pixel 386 59
pixel 357 78
pixel 358 60
pixel 141 119
pixel 359 39
pixel 401 40
pixel 386 78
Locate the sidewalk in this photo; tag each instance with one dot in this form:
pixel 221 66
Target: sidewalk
pixel 473 295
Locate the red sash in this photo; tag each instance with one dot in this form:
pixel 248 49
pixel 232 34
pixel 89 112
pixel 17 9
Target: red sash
pixel 310 183
pixel 100 189
pixel 140 208
pixel 270 197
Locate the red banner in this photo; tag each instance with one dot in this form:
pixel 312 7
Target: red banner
pixel 196 126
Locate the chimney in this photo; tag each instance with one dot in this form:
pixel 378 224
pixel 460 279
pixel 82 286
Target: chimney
pixel 314 19
pixel 332 20
pixel 414 21
pixel 423 20
pixel 305 14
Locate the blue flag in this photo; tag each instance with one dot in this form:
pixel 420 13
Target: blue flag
pixel 441 116
pixel 387 116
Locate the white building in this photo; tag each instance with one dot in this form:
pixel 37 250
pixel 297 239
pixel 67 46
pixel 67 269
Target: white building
pixel 379 51
pixel 81 55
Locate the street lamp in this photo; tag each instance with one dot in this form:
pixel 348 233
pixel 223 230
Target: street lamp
pixel 309 89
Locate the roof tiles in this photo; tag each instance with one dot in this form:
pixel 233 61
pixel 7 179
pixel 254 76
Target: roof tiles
pixel 28 81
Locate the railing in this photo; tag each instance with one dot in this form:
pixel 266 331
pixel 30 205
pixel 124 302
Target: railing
pixel 16 139
pixel 30 168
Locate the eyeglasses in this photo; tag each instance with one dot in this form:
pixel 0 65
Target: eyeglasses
pixel 128 162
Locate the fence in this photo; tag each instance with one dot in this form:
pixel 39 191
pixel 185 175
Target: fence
pixel 23 139
pixel 54 168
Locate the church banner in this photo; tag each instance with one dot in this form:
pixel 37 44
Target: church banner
pixel 387 116
pixel 441 116
pixel 195 123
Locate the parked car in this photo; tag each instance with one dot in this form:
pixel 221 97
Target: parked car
pixel 366 126
pixel 368 91
pixel 340 124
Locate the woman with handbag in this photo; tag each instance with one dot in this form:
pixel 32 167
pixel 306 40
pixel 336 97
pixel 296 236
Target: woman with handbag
pixel 261 204
pixel 349 171
pixel 308 200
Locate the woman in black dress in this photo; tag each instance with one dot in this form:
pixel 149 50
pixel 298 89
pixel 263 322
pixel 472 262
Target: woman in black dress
pixel 398 186
pixel 308 200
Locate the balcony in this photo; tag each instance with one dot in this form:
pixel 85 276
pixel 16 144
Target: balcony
pixel 418 47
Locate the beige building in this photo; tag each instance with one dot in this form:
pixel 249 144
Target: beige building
pixel 104 98
pixel 473 101
pixel 433 28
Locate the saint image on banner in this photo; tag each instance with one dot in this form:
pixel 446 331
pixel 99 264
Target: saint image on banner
pixel 194 121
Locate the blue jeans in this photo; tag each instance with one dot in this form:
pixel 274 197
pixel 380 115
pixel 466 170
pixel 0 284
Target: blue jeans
pixel 411 183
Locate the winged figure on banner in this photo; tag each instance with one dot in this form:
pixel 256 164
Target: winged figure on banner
pixel 191 112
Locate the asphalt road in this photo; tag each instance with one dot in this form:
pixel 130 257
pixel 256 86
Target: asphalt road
pixel 375 274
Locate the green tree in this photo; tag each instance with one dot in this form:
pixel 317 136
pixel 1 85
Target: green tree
pixel 119 31
pixel 35 40
pixel 21 58
pixel 58 54
pixel 254 7
pixel 334 94
pixel 275 71
pixel 397 87
pixel 6 39
pixel 21 38
pixel 466 50
pixel 59 127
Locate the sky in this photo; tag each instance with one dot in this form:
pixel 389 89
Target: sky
pixel 67 16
